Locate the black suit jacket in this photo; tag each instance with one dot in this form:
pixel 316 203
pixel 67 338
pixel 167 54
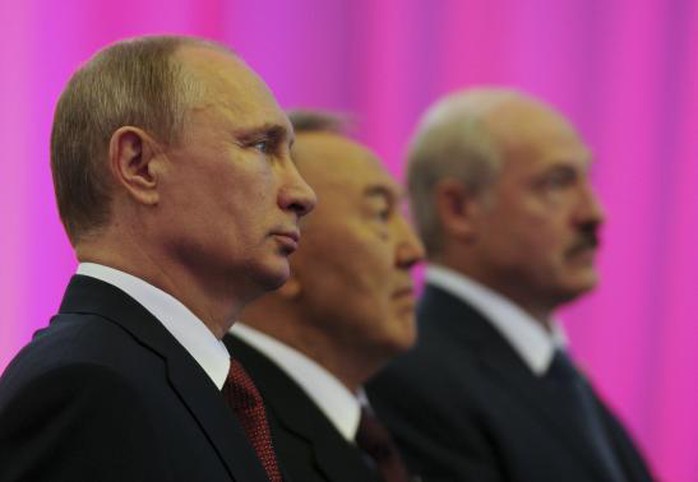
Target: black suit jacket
pixel 105 393
pixel 307 444
pixel 464 406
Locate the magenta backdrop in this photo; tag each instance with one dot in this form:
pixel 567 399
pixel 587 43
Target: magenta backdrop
pixel 626 72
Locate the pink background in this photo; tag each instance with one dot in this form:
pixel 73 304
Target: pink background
pixel 626 72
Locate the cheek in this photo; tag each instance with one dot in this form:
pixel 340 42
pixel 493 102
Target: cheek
pixel 375 264
pixel 361 253
pixel 536 230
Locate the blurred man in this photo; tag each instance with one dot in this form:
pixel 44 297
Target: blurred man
pixel 346 310
pixel 499 186
pixel 171 163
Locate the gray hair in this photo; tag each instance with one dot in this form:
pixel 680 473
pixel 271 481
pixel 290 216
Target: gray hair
pixel 452 140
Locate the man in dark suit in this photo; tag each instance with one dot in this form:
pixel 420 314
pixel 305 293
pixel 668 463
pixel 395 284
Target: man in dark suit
pixel 347 308
pixel 499 187
pixel 172 168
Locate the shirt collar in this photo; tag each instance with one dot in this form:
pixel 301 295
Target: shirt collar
pixel 340 406
pixel 533 343
pixel 209 352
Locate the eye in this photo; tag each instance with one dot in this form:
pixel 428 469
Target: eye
pixel 383 214
pixel 263 145
pixel 559 179
pixel 381 206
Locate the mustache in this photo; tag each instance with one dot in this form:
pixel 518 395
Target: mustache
pixel 588 239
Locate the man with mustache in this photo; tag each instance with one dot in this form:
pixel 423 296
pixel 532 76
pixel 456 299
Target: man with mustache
pixel 347 309
pixel 500 191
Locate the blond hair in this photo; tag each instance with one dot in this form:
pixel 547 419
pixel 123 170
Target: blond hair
pixel 134 82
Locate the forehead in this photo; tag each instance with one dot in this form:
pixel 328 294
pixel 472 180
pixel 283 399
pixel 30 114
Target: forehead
pixel 228 83
pixel 534 137
pixel 337 166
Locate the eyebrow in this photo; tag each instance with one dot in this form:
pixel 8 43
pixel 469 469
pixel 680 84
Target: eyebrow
pixel 391 194
pixel 587 155
pixel 276 132
pixel 562 164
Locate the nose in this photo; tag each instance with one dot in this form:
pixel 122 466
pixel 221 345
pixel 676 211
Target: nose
pixel 295 194
pixel 590 210
pixel 410 249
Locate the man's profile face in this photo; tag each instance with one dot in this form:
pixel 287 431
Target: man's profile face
pixel 354 265
pixel 232 197
pixel 539 235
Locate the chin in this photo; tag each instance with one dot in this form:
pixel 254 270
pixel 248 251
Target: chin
pixel 588 281
pixel 574 290
pixel 392 348
pixel 270 278
pixel 405 338
pixel 275 282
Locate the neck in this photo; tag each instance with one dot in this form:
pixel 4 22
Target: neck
pixel 520 295
pixel 214 306
pixel 351 369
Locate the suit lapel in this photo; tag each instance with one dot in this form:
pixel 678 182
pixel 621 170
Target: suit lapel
pixel 505 367
pixel 197 392
pixel 528 388
pixel 296 413
pixel 628 455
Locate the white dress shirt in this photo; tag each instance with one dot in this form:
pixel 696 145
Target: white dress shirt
pixel 340 406
pixel 209 352
pixel 534 344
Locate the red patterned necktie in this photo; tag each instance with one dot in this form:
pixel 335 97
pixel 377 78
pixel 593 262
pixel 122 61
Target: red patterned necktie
pixel 375 441
pixel 245 400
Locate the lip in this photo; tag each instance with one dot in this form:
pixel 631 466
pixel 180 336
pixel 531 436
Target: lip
pixel 404 292
pixel 294 235
pixel 583 257
pixel 288 239
pixel 583 252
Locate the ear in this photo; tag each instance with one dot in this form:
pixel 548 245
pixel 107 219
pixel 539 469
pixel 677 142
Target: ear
pixel 458 209
pixel 134 161
pixel 291 289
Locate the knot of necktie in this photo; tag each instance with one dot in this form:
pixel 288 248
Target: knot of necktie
pixel 576 395
pixel 373 438
pixel 245 395
pixel 562 368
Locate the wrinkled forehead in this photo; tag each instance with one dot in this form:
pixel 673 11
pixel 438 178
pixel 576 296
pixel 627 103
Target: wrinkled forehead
pixel 225 81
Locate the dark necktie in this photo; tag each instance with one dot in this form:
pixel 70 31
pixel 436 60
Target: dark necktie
pixel 577 394
pixel 377 443
pixel 247 404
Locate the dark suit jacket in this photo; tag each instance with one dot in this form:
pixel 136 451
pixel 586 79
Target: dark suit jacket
pixel 307 444
pixel 105 393
pixel 464 406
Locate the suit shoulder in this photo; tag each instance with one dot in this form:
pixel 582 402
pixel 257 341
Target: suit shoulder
pixel 76 343
pixel 61 418
pixel 435 353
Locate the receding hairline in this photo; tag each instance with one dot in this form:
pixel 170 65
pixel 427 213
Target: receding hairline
pixel 185 59
pixel 312 123
pixel 491 107
pixel 192 44
pixel 173 45
pixel 322 125
pixel 316 120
